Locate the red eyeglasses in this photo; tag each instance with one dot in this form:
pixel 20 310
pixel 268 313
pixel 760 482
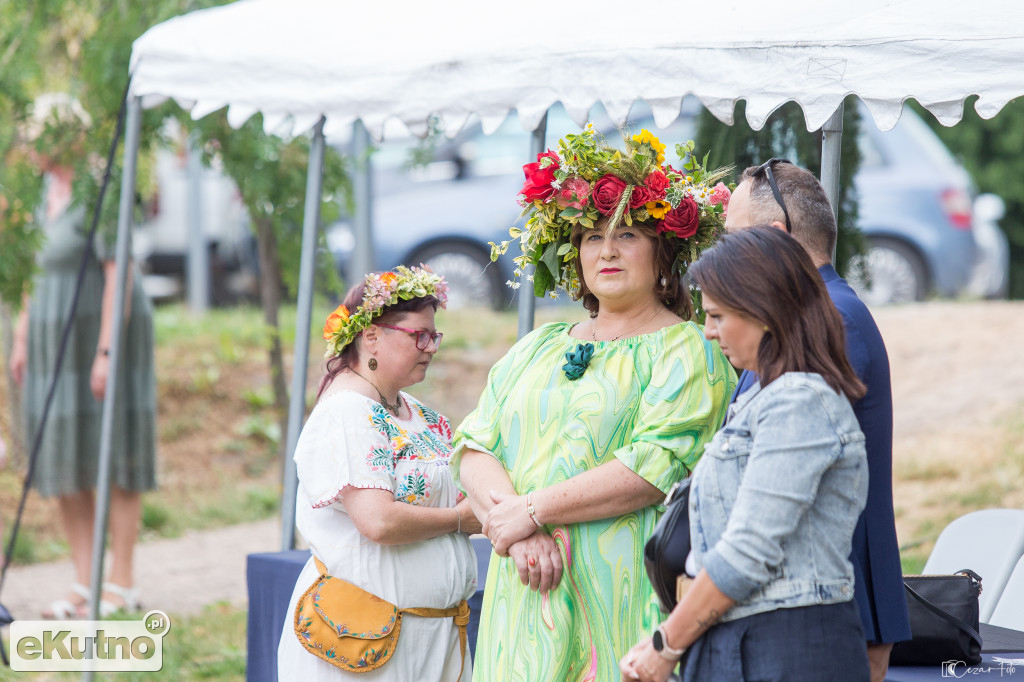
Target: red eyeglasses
pixel 423 339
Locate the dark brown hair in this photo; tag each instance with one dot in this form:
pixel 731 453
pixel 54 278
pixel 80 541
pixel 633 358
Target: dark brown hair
pixel 765 275
pixel 810 213
pixel 349 355
pixel 673 294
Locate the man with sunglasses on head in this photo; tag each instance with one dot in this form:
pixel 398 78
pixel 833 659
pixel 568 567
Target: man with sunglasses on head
pixel 782 194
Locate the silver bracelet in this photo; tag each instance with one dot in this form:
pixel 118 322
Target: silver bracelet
pixel 459 517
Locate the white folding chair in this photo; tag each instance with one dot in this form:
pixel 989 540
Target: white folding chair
pixel 1009 611
pixel 989 542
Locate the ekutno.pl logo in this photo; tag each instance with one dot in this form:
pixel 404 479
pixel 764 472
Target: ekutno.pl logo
pixel 100 645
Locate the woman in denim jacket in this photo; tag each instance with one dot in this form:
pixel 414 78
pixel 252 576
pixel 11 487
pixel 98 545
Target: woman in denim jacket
pixel 775 498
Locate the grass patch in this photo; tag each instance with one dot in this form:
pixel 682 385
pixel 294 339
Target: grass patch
pixel 33 546
pixel 25 548
pixel 913 562
pixel 210 646
pixel 921 470
pixel 251 504
pixel 983 497
pixel 155 516
pixel 238 504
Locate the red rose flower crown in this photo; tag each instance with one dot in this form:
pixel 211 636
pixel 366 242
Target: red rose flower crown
pixel 588 179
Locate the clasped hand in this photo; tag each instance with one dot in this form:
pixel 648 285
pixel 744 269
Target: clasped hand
pixel 507 522
pixel 515 535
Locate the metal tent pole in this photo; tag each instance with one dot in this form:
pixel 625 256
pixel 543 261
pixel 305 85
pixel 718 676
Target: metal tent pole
pixel 197 267
pixel 303 315
pixel 831 152
pixel 362 188
pixel 124 235
pixel 527 301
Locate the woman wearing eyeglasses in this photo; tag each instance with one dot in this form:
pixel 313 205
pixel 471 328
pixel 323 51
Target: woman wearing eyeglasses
pixel 376 502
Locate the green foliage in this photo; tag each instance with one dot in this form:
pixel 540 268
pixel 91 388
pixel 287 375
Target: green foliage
pixel 155 516
pixel 24 547
pixel 990 150
pixel 913 562
pixel 785 136
pixel 81 47
pixel 18 239
pixel 271 176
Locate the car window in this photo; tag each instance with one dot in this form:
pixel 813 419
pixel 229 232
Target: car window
pixel 870 155
pixel 929 144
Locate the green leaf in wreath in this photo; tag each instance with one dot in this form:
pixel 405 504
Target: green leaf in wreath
pixel 543 280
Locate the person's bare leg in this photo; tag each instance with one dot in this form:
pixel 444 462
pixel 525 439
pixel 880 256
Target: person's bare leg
pixel 878 660
pixel 125 517
pixel 77 515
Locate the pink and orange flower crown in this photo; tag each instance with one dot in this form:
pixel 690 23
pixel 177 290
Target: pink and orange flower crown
pixel 587 179
pixel 381 290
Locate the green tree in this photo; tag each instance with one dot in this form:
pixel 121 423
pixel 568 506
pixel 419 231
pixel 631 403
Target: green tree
pixel 83 47
pixel 785 135
pixel 271 176
pixel 991 152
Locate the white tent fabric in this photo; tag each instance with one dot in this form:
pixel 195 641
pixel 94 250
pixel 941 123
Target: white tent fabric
pixel 295 60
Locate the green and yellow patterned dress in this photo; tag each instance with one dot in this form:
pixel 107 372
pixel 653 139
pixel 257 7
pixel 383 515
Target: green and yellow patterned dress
pixel 651 402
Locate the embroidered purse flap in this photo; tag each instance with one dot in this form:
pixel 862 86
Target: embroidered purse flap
pixel 351 611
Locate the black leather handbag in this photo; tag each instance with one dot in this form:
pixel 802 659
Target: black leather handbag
pixel 666 550
pixel 943 620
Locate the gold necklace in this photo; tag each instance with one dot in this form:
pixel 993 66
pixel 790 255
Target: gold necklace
pixel 593 328
pixel 393 409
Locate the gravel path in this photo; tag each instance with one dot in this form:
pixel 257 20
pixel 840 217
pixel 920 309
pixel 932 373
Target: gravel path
pixel 179 575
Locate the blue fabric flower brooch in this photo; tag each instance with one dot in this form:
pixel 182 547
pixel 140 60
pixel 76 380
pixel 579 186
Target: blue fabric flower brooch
pixel 577 360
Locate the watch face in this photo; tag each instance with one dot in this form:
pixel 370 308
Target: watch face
pixel 657 641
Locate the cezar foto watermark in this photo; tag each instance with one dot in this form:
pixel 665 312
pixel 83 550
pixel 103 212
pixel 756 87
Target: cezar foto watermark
pixel 100 645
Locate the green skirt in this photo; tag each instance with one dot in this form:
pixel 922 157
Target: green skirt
pixel 68 459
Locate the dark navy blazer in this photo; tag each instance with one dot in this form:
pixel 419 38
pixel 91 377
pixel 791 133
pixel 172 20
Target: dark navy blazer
pixel 879 591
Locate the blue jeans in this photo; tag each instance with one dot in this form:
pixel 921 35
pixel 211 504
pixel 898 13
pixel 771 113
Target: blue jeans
pixel 803 644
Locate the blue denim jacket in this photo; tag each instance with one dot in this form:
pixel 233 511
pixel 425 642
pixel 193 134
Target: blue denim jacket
pixel 776 496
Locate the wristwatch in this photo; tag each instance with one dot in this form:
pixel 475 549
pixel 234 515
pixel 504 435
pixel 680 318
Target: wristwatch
pixel 660 642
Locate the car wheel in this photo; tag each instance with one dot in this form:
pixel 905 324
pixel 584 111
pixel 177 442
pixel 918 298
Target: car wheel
pixel 473 280
pixel 895 271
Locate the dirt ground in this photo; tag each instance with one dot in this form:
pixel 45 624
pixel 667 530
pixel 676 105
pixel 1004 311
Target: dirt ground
pixel 958 387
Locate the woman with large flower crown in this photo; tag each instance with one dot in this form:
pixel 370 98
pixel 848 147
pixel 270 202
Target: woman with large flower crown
pixel 583 428
pixel 376 501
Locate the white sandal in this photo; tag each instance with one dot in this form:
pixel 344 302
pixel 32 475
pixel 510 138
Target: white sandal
pixel 62 609
pixel 129 595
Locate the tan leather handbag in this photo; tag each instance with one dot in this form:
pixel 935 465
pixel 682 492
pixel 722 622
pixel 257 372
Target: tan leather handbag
pixel 355 630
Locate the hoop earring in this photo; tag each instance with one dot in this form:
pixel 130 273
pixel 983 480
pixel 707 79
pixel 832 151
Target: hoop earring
pixel 372 364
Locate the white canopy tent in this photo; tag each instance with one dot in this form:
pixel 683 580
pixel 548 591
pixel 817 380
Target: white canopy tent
pixel 295 61
pixel 327 65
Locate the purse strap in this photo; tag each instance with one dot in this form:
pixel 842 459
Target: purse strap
pixel 460 614
pixel 964 627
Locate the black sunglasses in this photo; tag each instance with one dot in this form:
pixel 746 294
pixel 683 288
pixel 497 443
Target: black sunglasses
pixel 766 167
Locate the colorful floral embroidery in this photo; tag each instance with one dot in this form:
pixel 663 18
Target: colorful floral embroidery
pixel 436 422
pixel 381 459
pixel 406 453
pixel 381 420
pixel 414 488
